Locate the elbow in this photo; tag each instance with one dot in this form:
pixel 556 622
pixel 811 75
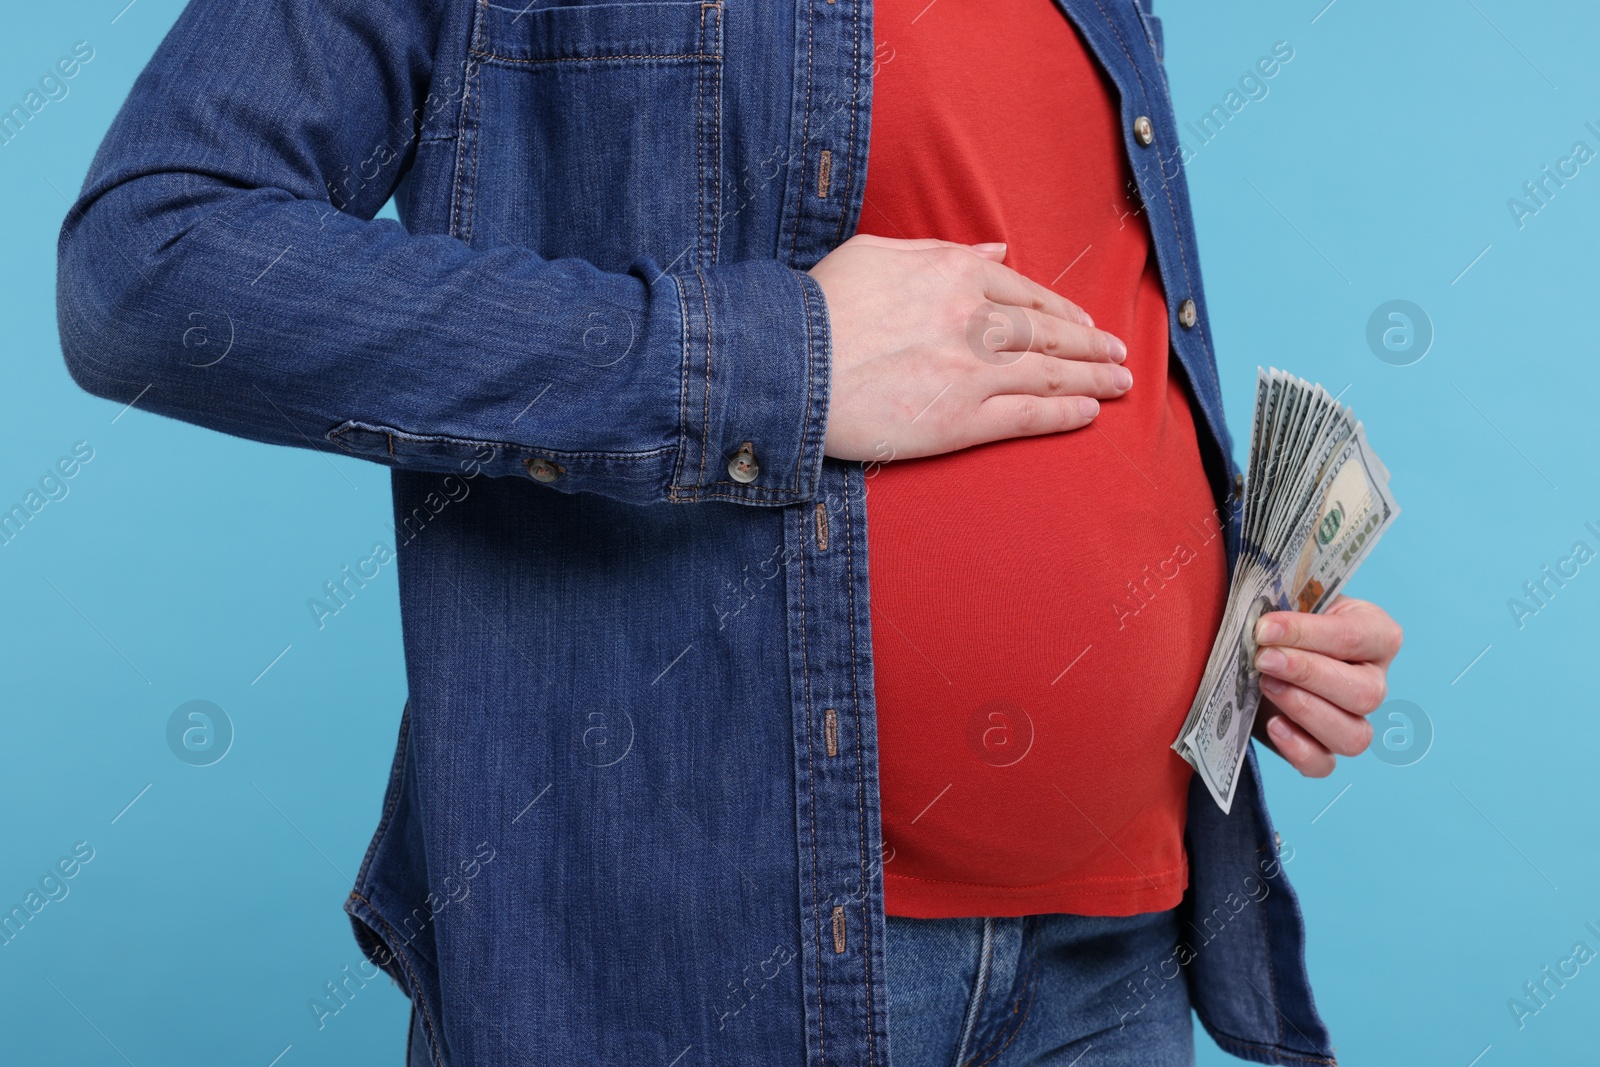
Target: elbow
pixel 85 358
pixel 98 294
pixel 132 290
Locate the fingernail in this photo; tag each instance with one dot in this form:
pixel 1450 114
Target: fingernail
pixel 1121 377
pixel 1268 630
pixel 1278 728
pixel 1119 351
pixel 1083 317
pixel 1270 659
pixel 1089 406
pixel 1272 686
pixel 990 246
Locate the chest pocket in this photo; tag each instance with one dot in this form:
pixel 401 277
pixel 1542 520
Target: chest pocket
pixel 593 131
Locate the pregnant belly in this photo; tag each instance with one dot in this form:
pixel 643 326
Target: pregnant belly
pixel 1041 613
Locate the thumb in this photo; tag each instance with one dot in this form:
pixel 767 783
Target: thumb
pixel 995 250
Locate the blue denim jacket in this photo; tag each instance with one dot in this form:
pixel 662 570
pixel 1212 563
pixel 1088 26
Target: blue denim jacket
pixel 633 816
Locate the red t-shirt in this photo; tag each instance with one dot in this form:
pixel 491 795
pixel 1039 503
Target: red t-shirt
pixel 1042 607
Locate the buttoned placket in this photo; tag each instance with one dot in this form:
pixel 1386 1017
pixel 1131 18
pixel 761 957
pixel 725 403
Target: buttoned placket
pixel 835 721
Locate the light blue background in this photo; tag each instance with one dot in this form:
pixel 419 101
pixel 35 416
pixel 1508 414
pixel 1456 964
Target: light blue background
pixel 1378 167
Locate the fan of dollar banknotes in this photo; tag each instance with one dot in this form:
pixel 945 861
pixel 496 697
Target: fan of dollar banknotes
pixel 1316 499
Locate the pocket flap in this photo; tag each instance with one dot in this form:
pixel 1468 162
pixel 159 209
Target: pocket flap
pixel 538 33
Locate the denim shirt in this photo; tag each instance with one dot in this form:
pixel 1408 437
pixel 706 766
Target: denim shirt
pixel 633 814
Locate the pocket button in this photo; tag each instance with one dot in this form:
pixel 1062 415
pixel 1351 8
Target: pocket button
pixel 743 466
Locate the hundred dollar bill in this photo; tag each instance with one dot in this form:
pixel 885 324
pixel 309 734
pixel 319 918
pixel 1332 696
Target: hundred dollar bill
pixel 1356 507
pixel 1316 500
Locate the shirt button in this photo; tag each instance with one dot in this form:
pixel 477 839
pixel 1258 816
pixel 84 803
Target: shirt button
pixel 743 466
pixel 542 470
pixel 1277 839
pixel 1238 485
pixel 1187 316
pixel 1143 130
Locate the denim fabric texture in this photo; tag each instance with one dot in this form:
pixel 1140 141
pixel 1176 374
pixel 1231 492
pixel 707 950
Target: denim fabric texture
pixel 1038 991
pixel 633 816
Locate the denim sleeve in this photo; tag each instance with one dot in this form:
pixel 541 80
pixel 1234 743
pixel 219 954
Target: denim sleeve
pixel 205 274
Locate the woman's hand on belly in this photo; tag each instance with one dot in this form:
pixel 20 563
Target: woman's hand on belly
pixel 938 346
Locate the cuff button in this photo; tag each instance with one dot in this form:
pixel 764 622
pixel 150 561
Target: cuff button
pixel 542 470
pixel 743 466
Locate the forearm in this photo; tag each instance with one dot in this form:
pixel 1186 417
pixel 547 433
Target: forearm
pixel 205 272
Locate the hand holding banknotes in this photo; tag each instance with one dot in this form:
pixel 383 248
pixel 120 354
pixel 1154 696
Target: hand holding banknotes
pixel 1321 676
pixel 1316 499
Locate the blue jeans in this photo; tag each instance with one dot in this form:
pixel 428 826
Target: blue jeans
pixel 1038 990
